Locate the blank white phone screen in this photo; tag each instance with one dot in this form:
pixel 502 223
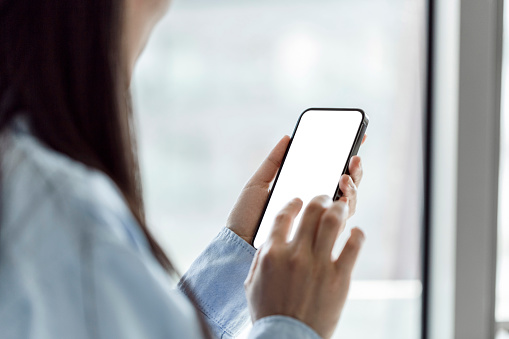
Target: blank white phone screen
pixel 314 163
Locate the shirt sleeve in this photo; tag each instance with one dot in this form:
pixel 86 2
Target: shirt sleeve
pixel 216 282
pixel 281 327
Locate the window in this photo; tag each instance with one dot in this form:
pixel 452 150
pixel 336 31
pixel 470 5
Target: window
pixel 221 81
pixel 502 292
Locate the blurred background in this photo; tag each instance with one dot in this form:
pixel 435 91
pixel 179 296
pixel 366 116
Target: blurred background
pixel 222 81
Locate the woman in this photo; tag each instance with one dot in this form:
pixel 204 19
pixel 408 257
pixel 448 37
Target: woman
pixel 76 257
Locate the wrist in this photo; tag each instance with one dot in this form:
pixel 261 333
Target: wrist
pixel 247 238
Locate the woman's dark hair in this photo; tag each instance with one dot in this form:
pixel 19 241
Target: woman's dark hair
pixel 62 65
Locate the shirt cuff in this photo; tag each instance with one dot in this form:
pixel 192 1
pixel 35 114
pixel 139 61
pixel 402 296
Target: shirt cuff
pixel 281 327
pixel 216 282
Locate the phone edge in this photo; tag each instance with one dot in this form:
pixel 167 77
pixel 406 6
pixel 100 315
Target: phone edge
pixel 364 121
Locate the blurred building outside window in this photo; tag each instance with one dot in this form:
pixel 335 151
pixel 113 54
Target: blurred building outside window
pixel 222 81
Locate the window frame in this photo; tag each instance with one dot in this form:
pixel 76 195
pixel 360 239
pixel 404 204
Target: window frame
pixel 464 144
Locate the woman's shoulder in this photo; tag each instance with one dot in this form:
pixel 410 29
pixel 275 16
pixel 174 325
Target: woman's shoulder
pixel 45 191
pixel 72 254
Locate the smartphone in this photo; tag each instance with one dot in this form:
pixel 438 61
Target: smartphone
pixel 319 152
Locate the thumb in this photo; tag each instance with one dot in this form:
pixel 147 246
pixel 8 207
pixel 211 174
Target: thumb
pixel 268 169
pixel 245 215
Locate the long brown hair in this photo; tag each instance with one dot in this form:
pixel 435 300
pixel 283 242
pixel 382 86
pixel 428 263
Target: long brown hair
pixel 61 64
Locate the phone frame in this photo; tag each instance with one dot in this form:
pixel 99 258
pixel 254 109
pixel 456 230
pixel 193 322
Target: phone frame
pixel 361 130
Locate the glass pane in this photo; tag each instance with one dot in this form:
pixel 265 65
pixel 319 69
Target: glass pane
pixel 222 81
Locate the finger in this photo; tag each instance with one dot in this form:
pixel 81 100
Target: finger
pixel 332 223
pixel 364 139
pixel 245 215
pixel 268 169
pixel 349 190
pixel 254 264
pixel 346 261
pixel 284 221
pixel 355 170
pixel 348 187
pixel 308 224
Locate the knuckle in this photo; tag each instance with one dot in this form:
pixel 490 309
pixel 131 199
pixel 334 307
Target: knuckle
pixel 270 255
pixel 345 180
pixel 355 245
pixel 269 259
pixel 283 218
pixel 360 169
pixel 299 261
pixel 315 206
pixel 331 219
pixel 353 188
pixel 341 206
pixel 357 175
pixel 350 187
pixel 360 172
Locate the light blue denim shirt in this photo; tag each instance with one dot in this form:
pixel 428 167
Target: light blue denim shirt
pixel 75 264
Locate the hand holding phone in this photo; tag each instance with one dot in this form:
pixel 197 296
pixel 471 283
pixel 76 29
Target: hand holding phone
pixel 319 153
